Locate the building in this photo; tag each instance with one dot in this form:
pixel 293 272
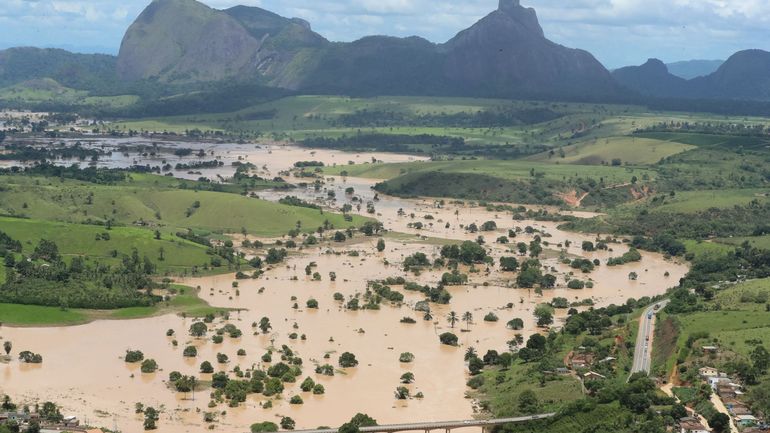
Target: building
pixel 692 425
pixel 715 382
pixel 592 376
pixel 581 360
pixel 710 349
pixel 746 420
pixel 726 391
pixel 706 372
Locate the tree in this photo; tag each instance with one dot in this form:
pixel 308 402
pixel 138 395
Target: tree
pixel 452 318
pixel 475 365
pixel 468 319
pixel 719 422
pixel 149 366
pixel 348 360
pixel 151 416
pixel 544 315
pixel 515 324
pixel 198 329
pixel 264 325
pixel 760 396
pixel 407 377
pixel 509 264
pixel 206 367
pixel 380 245
pixel 760 358
pixel 264 427
pixel 528 402
pixel 402 393
pixel 287 423
pixel 7 346
pixel 448 338
pixel 358 421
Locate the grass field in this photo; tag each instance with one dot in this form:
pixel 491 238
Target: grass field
pixel 511 170
pixel 80 240
pixel 761 242
pixel 701 248
pixel 629 150
pixel 33 315
pixel 48 90
pixel 69 201
pixel 187 303
pixel 694 201
pixel 706 140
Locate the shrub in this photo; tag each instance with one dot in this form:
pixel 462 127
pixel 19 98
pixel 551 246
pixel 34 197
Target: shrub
pixel 448 338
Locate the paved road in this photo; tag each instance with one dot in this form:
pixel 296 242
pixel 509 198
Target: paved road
pixel 440 425
pixel 643 351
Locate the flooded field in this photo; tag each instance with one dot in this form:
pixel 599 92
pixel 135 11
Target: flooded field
pixel 83 369
pixel 270 159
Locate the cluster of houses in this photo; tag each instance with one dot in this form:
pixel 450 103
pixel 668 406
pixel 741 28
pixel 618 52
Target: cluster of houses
pixel 23 419
pixel 730 392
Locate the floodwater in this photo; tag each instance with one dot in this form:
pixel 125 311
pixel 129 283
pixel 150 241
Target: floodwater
pixel 270 159
pixel 83 371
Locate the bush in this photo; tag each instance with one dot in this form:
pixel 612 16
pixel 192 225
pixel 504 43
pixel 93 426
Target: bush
pixel 491 317
pixel 287 423
pixel 149 366
pixel 206 367
pixel 348 360
pixel 134 356
pixel 264 427
pixel 406 357
pixel 448 338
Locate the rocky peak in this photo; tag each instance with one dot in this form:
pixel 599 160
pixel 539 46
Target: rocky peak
pixel 656 66
pixel 524 18
pixel 509 4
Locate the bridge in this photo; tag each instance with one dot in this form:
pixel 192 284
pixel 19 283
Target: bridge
pixel 447 426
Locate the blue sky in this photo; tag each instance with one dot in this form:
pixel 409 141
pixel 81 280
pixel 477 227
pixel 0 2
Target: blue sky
pixel 617 32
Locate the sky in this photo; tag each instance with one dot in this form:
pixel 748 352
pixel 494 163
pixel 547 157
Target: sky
pixel 617 32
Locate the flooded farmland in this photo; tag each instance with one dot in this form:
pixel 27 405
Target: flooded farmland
pixel 85 373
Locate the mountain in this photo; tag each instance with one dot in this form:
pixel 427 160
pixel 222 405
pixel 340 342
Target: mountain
pixel 651 79
pixel 183 40
pixel 81 71
pixel 505 54
pixel 744 76
pixel 690 69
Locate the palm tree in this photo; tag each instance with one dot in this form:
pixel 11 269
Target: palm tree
pixel 452 318
pixel 470 353
pixel 468 319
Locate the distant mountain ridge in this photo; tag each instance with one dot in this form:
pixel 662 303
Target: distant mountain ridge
pixel 689 69
pixel 744 76
pixel 194 53
pixel 505 54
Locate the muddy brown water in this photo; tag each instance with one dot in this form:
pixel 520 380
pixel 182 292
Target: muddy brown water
pixel 84 372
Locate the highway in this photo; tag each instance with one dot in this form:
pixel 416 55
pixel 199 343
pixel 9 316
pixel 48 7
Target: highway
pixel 643 351
pixel 440 425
